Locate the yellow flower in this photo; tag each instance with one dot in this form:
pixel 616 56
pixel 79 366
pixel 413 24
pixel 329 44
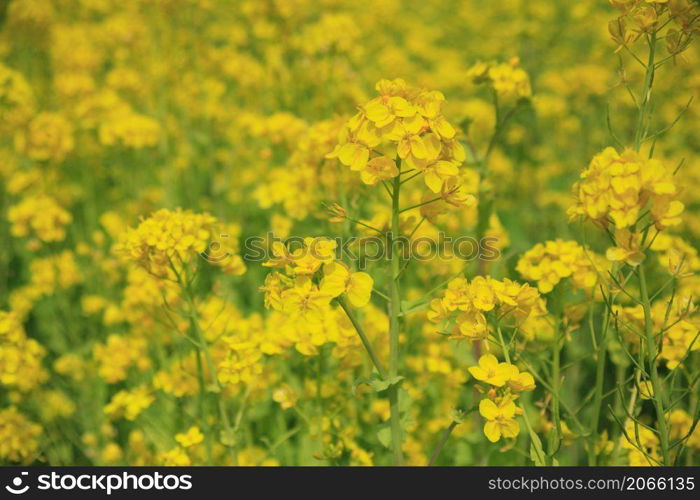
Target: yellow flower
pixel 483 297
pixel 500 421
pixel 129 403
pixel 338 279
pixel 16 97
pixel 404 122
pixel 40 216
pixel 118 354
pixel 255 457
pixel 305 301
pixel 353 155
pixel 111 453
pixel 168 239
pixel 552 261
pixel 177 457
pixel 19 437
pixel 129 129
pixel 437 311
pixel 508 80
pixel 20 356
pixel 520 381
pixel 378 169
pixel 285 396
pixel 491 371
pixel 192 437
pixel 437 174
pixel 616 187
pixel 49 136
pixel 472 325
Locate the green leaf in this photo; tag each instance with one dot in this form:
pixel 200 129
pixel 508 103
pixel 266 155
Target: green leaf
pixel 377 383
pixel 534 456
pixel 384 435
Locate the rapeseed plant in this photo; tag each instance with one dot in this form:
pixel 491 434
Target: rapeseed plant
pixel 349 233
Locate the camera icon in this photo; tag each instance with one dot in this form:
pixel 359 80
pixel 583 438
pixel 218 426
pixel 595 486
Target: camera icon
pixel 16 488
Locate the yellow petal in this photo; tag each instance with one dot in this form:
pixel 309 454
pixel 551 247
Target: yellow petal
pixel 335 277
pixel 488 361
pixel 360 289
pixel 510 428
pixel 492 430
pixel 488 409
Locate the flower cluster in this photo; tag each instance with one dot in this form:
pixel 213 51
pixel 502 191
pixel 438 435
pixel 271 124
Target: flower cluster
pixel 118 354
pixel 20 357
pixel 167 241
pixel 508 80
pixel 118 305
pixel 303 293
pixel 19 436
pixel 642 17
pixel 617 187
pixel 40 216
pixel 549 262
pixel 48 136
pixel 406 123
pixel 130 130
pixel 506 300
pixel 16 99
pixel 129 403
pixel 298 293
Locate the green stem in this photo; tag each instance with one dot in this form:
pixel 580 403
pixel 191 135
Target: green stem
pixel 693 405
pixel 651 351
pixel 363 337
pixel 504 347
pixel 445 436
pixel 394 306
pixel 598 397
pixel 555 439
pixel 656 382
pixel 203 349
pixel 206 426
pixel 646 94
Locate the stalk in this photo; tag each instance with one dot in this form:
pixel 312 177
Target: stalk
pixel 694 406
pixel 556 383
pixel 445 436
pixel 651 352
pixel 598 397
pixel 394 308
pixel 204 351
pixel 646 94
pixel 656 383
pixel 203 407
pixel 363 337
